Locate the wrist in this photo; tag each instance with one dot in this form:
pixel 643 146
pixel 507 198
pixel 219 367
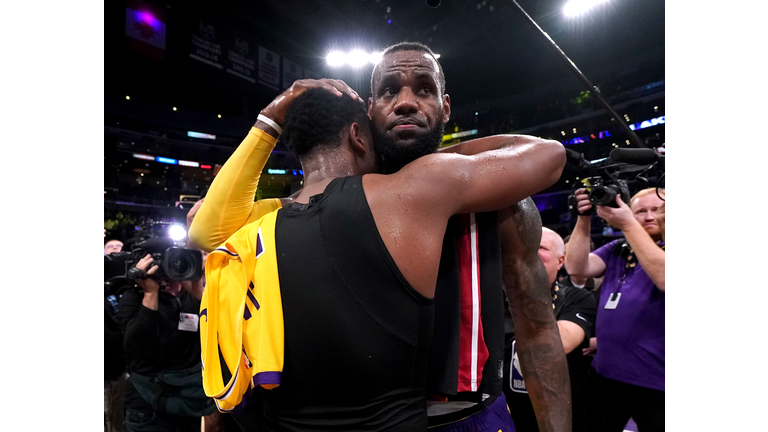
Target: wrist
pixel 269 123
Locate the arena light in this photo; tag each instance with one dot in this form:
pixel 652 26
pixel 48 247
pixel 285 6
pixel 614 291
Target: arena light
pixel 188 163
pixel 177 232
pixel 192 134
pixel 358 58
pixel 276 171
pixel 143 156
pixel 336 58
pixel 355 58
pixel 205 166
pixel 575 8
pixel 166 160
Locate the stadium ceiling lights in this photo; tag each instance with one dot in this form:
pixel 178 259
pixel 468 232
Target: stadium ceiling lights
pixel 575 8
pixel 354 58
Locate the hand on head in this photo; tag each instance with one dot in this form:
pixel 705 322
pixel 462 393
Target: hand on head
pixel 277 109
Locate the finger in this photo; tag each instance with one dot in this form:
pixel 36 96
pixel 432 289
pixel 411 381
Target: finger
pixel 342 88
pixel 144 263
pixel 153 270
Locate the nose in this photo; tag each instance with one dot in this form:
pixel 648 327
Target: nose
pixel 406 102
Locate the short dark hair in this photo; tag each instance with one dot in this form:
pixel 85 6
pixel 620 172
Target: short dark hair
pixel 317 120
pixel 412 46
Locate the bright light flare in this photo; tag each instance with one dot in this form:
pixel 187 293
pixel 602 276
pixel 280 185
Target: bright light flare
pixel 358 58
pixel 336 58
pixel 177 232
pixel 575 8
pixel 355 58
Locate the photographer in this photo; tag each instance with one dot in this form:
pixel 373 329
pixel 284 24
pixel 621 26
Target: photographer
pixel 162 353
pixel 627 379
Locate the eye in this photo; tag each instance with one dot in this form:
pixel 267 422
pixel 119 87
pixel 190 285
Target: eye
pixel 388 91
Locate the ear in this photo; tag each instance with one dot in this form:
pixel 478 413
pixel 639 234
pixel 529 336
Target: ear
pixel 358 141
pixel 446 108
pixel 560 262
pixel 370 105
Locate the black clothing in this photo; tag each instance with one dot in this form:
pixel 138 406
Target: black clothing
pixel 356 332
pixel 114 366
pixel 619 401
pixel 153 343
pixel 577 306
pixel 445 367
pixel 445 352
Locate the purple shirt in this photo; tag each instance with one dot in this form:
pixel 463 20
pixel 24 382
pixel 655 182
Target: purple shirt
pixel 630 338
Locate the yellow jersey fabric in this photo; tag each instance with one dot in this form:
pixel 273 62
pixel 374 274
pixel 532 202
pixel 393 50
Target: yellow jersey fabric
pixel 241 314
pixel 229 205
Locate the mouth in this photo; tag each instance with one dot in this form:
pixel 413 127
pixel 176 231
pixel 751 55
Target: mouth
pixel 407 124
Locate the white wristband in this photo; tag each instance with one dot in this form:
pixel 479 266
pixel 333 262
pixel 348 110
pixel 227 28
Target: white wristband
pixel 270 122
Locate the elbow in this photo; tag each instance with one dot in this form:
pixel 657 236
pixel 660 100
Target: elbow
pixel 197 236
pixel 555 159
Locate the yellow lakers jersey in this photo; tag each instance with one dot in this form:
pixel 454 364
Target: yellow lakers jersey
pixel 241 314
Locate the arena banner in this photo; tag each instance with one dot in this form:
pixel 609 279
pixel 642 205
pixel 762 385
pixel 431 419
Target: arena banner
pixel 145 29
pixel 291 73
pixel 269 68
pixel 206 45
pixel 241 59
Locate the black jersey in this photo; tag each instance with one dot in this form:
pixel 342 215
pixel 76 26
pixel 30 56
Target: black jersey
pixel 356 333
pixel 467 352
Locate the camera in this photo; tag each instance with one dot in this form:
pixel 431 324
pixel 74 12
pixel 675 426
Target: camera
pixel 603 192
pixel 601 177
pixel 174 262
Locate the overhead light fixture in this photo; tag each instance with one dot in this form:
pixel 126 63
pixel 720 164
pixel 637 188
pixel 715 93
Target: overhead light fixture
pixel 575 8
pixel 355 58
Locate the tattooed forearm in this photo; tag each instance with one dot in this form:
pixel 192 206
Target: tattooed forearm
pixel 542 358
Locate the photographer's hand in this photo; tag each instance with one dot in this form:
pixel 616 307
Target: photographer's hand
pixel 650 256
pixel 194 287
pixel 620 218
pixel 582 201
pixel 149 285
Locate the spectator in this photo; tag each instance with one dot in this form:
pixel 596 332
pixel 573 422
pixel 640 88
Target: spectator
pixel 162 353
pixel 113 246
pixel 574 311
pixel 627 378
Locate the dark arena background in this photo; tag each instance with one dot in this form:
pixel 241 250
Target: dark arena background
pixel 185 80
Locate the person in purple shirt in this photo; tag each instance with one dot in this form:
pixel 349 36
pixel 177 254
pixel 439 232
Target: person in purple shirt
pixel 627 380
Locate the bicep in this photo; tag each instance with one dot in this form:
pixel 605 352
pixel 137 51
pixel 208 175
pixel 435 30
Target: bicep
pixel 487 181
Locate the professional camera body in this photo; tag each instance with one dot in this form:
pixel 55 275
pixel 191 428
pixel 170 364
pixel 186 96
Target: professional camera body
pixel 602 179
pixel 173 260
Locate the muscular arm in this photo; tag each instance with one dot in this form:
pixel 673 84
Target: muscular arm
pixel 540 348
pixel 229 203
pixel 432 188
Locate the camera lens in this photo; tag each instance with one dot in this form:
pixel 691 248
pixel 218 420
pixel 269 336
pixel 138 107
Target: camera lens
pixel 601 195
pixel 180 265
pixel 183 264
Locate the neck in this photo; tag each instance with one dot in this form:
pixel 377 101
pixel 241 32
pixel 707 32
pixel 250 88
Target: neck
pixel 319 171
